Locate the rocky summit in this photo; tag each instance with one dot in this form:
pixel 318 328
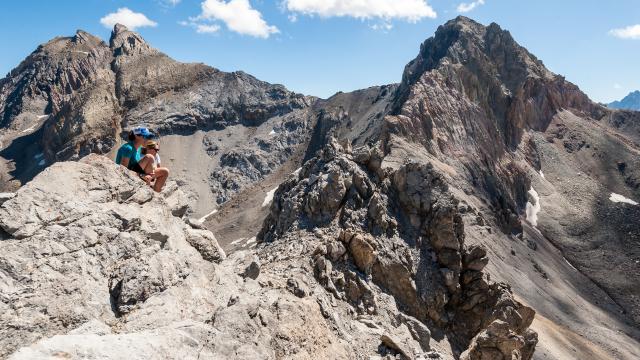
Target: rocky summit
pixel 482 208
pixel 629 102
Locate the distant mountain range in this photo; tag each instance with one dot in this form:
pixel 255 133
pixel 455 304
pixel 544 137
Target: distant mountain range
pixel 629 102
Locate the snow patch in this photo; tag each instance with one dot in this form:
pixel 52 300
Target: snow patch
pixel 28 130
pixel 533 207
pixel 567 261
pixel 40 117
pixel 42 162
pixel 251 241
pixel 269 197
pixel 234 242
pixel 273 132
pixel 204 218
pixel 541 174
pixel 38 156
pixel 297 172
pixel 617 198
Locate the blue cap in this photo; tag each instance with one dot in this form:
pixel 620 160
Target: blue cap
pixel 142 131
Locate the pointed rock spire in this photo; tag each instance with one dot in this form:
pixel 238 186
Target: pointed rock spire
pixel 118 28
pixel 126 42
pixel 83 37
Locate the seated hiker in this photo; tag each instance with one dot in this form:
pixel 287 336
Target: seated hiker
pixel 130 155
pixel 150 163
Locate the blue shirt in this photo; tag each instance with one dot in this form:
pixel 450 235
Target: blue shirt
pixel 127 151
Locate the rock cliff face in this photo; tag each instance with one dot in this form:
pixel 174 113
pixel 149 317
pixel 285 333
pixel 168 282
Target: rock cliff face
pixel 484 106
pixel 483 208
pixel 400 228
pixel 50 103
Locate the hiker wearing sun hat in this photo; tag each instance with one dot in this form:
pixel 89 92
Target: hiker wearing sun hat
pixel 152 157
pixel 130 155
pixel 152 147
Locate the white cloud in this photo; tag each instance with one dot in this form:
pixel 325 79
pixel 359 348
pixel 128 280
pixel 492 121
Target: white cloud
pixel 128 18
pixel 207 29
pixel 200 27
pixel 629 32
pixel 169 3
pixel 410 10
pixel 239 16
pixel 617 86
pixel 384 27
pixel 466 7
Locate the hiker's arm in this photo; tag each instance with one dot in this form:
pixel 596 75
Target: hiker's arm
pixel 124 162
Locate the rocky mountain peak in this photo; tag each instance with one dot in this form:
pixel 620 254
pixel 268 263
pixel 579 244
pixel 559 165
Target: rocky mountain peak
pixel 126 42
pixel 478 48
pixel 629 102
pixel 487 68
pixel 83 37
pixel 119 28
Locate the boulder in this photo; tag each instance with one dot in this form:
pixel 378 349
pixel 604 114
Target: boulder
pixel 363 252
pixel 206 244
pixel 498 341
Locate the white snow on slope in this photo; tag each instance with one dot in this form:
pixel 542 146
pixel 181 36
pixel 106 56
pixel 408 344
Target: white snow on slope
pixel 269 197
pixel 204 218
pixel 533 207
pixel 567 261
pixel 234 242
pixel 42 162
pixel 30 129
pixel 297 171
pixel 617 198
pixel 273 132
pixel 38 156
pixel 541 174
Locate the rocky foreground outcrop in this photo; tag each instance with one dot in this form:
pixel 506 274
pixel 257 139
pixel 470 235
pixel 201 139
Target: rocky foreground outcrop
pixel 96 265
pixel 399 232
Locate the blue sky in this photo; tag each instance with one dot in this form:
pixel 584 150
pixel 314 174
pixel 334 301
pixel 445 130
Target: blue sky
pixel 319 47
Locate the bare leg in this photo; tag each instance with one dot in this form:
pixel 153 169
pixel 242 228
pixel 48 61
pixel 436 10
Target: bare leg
pixel 146 163
pixel 161 175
